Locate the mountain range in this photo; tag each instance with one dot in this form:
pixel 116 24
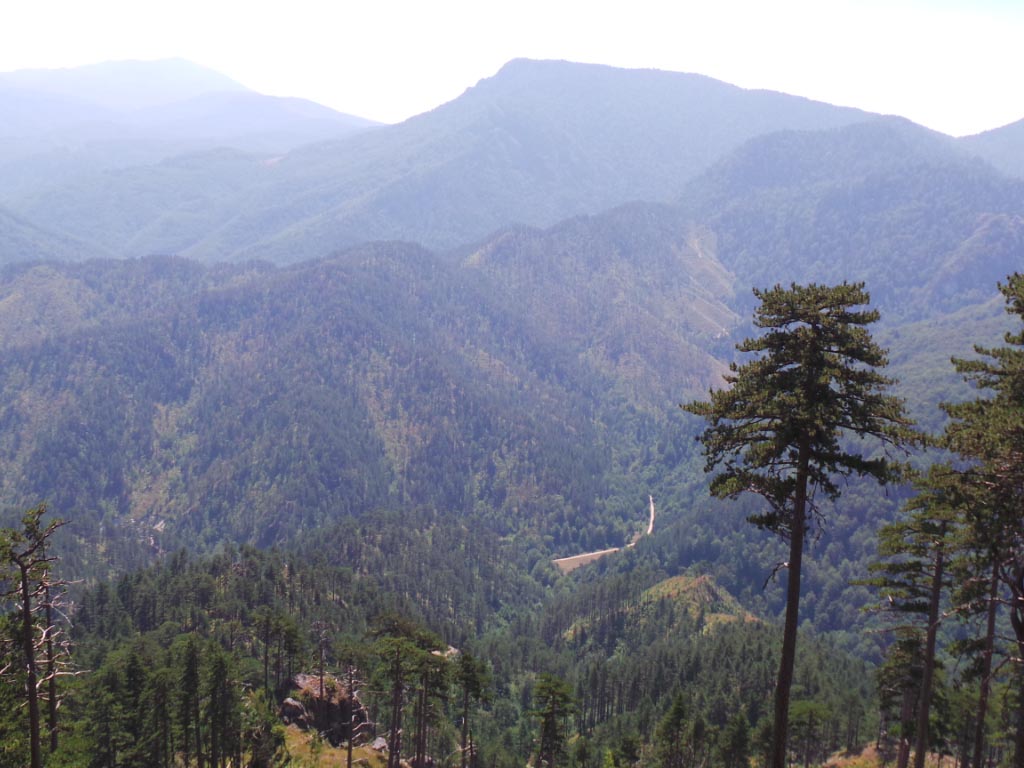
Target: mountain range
pixel 489 312
pixel 536 143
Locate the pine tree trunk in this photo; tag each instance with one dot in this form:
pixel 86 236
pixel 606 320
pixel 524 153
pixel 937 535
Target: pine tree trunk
pixel 906 720
pixel 986 672
pixel 323 702
pixel 421 726
pixel 1017 621
pixel 197 728
pixel 796 552
pixel 924 703
pixel 395 736
pixel 1018 746
pixel 266 661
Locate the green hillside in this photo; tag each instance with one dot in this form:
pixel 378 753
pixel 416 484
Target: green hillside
pixel 626 653
pixel 20 240
pixel 255 404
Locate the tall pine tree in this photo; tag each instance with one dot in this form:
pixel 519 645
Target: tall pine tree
pixel 778 429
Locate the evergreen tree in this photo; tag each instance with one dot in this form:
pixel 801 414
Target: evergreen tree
pixel 262 732
pixel 808 732
pixel 899 680
pixel 189 700
pixel 401 646
pixel 397 656
pixel 671 748
pixel 106 720
pixel 222 710
pixel 471 675
pixel 133 683
pixel 989 432
pixel 266 622
pixel 432 670
pixel 776 431
pixel 553 705
pixel 734 742
pixel 159 693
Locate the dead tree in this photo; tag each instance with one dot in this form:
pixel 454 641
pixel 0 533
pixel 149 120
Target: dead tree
pixel 34 595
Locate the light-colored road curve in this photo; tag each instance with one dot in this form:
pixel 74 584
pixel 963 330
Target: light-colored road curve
pixel 571 563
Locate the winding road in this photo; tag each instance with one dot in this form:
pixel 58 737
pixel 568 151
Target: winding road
pixel 571 563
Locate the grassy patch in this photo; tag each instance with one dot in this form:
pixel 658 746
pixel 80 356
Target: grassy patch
pixel 309 751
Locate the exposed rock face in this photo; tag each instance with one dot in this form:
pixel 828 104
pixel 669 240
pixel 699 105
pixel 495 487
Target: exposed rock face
pixel 293 713
pixel 331 715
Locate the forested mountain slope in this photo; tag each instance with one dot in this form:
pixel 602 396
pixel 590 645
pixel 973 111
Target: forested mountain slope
pixel 253 404
pixel 626 652
pixel 525 383
pixel 158 402
pixel 131 208
pixel 529 380
pixel 20 240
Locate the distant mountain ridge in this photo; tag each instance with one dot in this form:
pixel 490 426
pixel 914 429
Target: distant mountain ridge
pixel 58 125
pixel 21 240
pixel 1002 147
pixel 123 86
pixel 527 384
pixel 536 143
pixel 926 224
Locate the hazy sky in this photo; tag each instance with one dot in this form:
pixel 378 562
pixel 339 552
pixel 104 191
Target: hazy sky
pixel 955 66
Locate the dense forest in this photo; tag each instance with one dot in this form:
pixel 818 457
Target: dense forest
pixel 189 660
pixel 305 510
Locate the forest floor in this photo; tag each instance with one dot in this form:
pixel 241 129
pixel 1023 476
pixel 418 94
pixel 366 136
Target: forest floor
pixel 870 757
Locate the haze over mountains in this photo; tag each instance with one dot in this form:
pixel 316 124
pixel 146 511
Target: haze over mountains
pixel 60 125
pixel 536 143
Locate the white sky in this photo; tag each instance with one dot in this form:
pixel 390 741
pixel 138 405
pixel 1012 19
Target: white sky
pixel 952 65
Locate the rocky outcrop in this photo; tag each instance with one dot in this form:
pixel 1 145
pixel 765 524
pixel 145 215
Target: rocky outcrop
pixel 331 714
